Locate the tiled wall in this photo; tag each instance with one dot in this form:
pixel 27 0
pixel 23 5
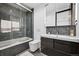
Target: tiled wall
pixel 29 24
pixel 61 30
pixel 10 13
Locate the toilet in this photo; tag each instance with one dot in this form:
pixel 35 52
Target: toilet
pixel 34 45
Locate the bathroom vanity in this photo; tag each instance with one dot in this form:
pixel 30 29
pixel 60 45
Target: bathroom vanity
pixel 59 45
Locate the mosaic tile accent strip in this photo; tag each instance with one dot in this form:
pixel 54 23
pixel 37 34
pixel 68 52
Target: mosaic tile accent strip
pixel 61 30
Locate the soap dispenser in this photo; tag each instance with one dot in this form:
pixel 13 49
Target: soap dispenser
pixel 48 32
pixel 71 32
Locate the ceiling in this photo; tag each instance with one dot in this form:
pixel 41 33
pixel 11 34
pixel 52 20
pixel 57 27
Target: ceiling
pixel 32 5
pixel 26 5
pixel 51 7
pixel 16 6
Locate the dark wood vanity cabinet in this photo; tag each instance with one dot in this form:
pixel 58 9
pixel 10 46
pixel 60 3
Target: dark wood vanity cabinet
pixel 55 47
pixel 46 45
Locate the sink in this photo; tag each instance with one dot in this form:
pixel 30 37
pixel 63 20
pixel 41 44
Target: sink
pixel 63 37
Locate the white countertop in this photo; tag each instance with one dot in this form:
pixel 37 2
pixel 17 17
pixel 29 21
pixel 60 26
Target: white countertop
pixel 62 37
pixel 13 42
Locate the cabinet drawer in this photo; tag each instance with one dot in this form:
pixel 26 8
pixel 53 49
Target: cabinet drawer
pixel 62 45
pixel 47 42
pixel 62 42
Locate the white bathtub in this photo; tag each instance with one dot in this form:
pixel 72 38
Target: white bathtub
pixel 13 42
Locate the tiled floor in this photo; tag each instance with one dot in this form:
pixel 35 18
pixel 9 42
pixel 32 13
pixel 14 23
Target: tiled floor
pixel 38 53
pixel 28 53
pixel 25 53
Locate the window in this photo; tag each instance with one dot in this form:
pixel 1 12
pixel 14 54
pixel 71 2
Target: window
pixel 5 26
pixel 15 26
pixel 64 18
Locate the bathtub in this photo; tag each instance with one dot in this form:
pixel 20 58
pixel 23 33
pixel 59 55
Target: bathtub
pixel 13 45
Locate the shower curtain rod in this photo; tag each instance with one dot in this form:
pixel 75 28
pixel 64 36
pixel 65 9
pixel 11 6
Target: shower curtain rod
pixel 24 7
